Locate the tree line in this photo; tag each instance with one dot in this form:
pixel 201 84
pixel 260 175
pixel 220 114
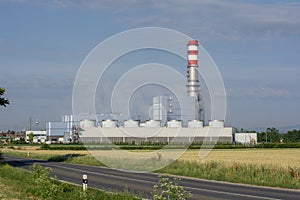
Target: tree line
pixel 272 135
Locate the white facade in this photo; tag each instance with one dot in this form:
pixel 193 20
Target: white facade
pixel 156 134
pixel 245 138
pixel 38 136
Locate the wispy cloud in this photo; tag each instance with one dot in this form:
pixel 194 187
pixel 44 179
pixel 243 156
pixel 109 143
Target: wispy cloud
pixel 220 18
pixel 225 19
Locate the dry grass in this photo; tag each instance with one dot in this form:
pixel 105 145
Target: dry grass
pixel 277 157
pixel 37 150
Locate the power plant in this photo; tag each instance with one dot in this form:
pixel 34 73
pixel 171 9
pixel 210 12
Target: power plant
pixel 162 128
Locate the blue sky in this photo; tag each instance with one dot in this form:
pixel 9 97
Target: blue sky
pixel 255 45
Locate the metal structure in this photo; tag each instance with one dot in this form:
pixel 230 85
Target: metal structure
pixel 153 124
pixel 162 109
pixel 192 78
pixel 109 123
pixel 174 124
pixel 195 124
pixel 216 123
pixel 131 123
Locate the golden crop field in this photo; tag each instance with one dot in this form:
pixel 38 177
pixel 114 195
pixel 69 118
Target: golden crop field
pixel 283 157
pixel 279 157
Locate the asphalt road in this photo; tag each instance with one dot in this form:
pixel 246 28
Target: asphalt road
pixel 142 183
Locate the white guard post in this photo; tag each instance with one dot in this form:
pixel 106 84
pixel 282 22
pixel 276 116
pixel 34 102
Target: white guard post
pixel 84 182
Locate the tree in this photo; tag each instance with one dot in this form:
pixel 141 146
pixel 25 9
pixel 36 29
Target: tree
pixel 270 135
pixel 3 100
pixel 30 137
pixel 273 135
pixel 292 136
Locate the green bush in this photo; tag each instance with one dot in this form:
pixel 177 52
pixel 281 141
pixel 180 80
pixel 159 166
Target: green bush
pixel 45 187
pixel 45 147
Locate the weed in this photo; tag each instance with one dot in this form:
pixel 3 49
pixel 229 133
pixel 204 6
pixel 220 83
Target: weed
pixel 168 189
pixel 294 172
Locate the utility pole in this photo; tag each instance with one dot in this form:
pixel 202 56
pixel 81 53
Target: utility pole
pixel 30 123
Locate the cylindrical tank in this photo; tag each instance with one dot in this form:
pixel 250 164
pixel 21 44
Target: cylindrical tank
pixel 109 123
pixel 131 123
pixel 195 124
pixel 153 123
pixel 216 123
pixel 85 123
pixel 174 124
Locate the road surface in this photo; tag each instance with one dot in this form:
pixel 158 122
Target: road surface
pixel 142 183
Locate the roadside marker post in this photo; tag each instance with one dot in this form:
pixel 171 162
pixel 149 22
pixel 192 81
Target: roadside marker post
pixel 84 182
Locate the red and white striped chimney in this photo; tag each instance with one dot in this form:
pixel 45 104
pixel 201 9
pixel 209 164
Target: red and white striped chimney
pixel 192 68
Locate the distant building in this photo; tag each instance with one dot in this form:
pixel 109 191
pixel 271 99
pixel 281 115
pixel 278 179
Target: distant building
pixel 245 138
pixel 61 131
pixel 38 136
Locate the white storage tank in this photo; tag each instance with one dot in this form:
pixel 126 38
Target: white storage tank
pixel 131 123
pixel 216 123
pixel 195 124
pixel 87 123
pixel 153 123
pixel 109 123
pixel 174 124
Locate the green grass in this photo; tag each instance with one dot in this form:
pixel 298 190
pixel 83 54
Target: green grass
pixel 19 184
pixel 239 173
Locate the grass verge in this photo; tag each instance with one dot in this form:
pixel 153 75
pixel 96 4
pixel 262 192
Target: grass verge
pixel 68 158
pixel 19 184
pixel 249 173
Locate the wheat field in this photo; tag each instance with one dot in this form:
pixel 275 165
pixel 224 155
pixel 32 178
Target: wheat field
pixel 282 157
pixel 278 157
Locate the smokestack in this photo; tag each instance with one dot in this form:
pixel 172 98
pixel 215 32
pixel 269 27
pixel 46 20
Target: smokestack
pixel 192 78
pixel 192 69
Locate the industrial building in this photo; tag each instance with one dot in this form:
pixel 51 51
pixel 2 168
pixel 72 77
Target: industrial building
pixel 151 131
pixel 38 136
pixel 62 131
pixel 245 138
pixel 166 125
pixel 163 128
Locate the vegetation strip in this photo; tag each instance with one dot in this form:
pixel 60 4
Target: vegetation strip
pixel 248 173
pixel 38 185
